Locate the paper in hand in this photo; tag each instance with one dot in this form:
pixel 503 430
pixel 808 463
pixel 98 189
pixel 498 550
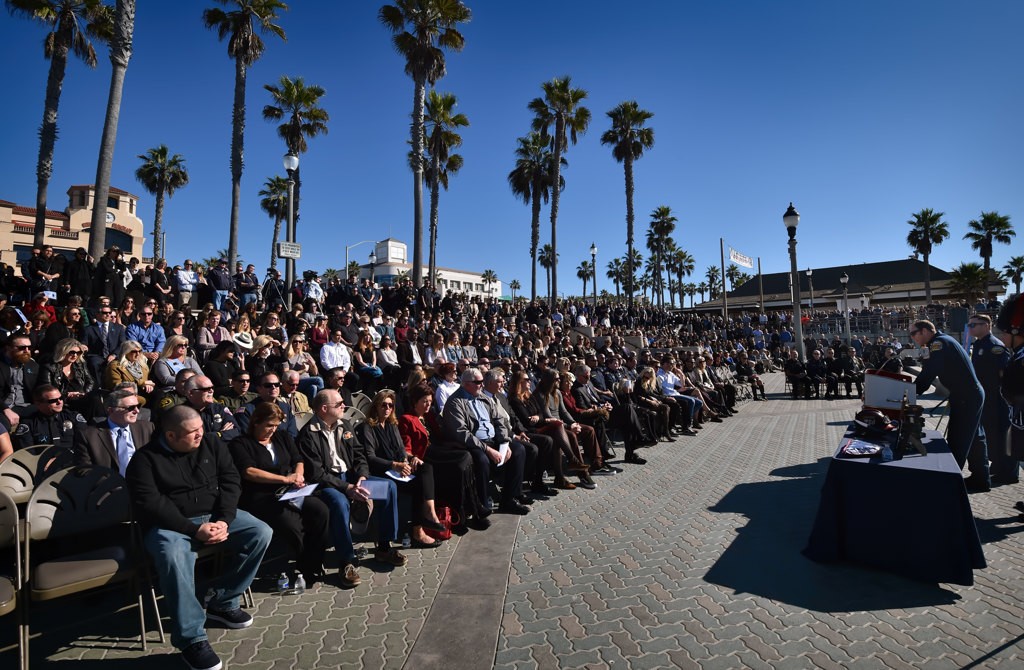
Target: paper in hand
pixel 505 451
pixel 399 477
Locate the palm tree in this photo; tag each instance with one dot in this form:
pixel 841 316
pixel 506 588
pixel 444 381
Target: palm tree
pixel 274 201
pixel 561 107
pixel 714 276
pixel 330 274
pixel 634 261
pixel 422 29
pixel 354 268
pixel 161 175
pixel 733 274
pixel 583 271
pixel 683 264
pixel 210 262
pixel 514 286
pixel 488 277
pixel 71 23
pixel 120 54
pixel 969 279
pixel 702 288
pixel 628 138
pixel 245 47
pixel 690 289
pixel 615 269
pixel 992 227
pixel 928 230
pixel 531 180
pixel 441 124
pixel 1013 271
pixel 546 259
pixel 663 223
pixel 297 104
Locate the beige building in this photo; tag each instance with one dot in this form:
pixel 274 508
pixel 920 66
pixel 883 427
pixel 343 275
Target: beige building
pixel 68 230
pixel 392 260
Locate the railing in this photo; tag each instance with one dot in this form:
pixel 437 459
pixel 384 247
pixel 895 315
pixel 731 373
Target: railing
pixel 65 234
pixel 24 228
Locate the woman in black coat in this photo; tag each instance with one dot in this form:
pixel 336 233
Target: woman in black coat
pixel 385 451
pixel 264 476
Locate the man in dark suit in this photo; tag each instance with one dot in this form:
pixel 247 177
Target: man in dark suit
pixel 111 442
pixel 104 340
pixel 408 353
pixel 19 375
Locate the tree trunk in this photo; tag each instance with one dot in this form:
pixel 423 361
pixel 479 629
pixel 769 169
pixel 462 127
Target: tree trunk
pixel 48 130
pixel 419 94
pixel 120 54
pixel 158 223
pixel 273 242
pixel 435 192
pixel 927 279
pixel 559 131
pixel 237 160
pixel 628 167
pixel 534 237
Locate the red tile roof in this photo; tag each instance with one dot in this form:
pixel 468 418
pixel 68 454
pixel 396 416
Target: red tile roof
pixel 113 190
pixel 31 211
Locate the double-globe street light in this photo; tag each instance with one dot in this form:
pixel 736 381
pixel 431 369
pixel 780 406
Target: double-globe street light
pixel 593 269
pixel 792 219
pixel 291 164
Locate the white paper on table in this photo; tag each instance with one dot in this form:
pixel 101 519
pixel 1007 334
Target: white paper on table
pixel 505 451
pixel 377 489
pixel 297 493
pixel 399 477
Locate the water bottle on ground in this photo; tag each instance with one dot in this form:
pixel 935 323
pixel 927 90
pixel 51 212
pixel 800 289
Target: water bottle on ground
pixel 300 584
pixel 406 541
pixel 282 584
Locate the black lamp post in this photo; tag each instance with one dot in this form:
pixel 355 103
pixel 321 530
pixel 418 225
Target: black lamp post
pixel 593 269
pixel 373 264
pixel 792 219
pixel 844 280
pixel 291 164
pixel 810 282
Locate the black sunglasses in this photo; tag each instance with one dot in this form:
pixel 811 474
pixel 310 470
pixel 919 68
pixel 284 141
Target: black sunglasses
pixel 272 385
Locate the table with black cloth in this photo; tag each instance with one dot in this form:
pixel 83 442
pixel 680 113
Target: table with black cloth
pixel 910 517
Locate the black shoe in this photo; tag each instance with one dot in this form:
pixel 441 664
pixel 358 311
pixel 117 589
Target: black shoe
pixel 716 419
pixel 689 432
pixel 200 656
pixel 479 523
pixel 433 525
pixel 236 618
pixel 604 470
pixel 1019 505
pixel 977 485
pixel 543 490
pixel 513 507
pixel 525 499
pixel 613 468
pixel 635 460
pixel 483 512
pixel 587 483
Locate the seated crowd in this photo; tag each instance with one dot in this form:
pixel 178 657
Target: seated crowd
pixel 411 414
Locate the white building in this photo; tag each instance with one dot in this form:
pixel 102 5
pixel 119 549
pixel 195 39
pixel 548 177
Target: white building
pixel 393 260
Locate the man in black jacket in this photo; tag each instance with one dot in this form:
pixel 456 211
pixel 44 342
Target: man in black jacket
pixel 185 488
pixel 337 463
pixel 19 374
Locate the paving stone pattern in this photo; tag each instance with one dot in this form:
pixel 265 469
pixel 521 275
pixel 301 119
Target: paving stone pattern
pixel 692 561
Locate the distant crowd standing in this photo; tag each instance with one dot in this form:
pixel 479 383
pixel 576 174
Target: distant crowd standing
pixel 422 413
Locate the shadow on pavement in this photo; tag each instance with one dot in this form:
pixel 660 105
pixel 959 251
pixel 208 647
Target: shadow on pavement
pixel 996 530
pixel 765 558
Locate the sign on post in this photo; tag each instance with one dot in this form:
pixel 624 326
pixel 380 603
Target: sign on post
pixel 289 250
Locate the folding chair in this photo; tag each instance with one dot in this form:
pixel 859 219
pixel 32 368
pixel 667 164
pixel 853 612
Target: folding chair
pixel 361 402
pixel 78 502
pixel 10 587
pixel 20 473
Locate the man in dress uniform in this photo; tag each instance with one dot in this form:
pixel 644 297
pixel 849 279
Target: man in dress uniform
pixel 989 358
pixel 948 361
pixel 50 423
pixel 1010 325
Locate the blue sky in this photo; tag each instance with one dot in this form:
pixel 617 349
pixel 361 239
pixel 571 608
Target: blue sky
pixel 860 113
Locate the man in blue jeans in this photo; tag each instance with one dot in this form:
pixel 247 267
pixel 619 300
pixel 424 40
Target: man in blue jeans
pixel 221 283
pixel 334 460
pixel 185 488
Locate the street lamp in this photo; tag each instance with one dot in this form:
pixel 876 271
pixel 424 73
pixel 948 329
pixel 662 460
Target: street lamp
pixel 593 269
pixel 349 248
pixel 810 281
pixel 844 280
pixel 792 219
pixel 291 164
pixel 373 264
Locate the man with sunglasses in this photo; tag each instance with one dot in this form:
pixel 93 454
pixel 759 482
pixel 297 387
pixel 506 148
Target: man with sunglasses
pixel 50 422
pixel 217 419
pixel 103 338
pixel 990 360
pixel 268 389
pixel 19 374
pixel 148 333
pixel 111 442
pixel 239 394
pixel 948 361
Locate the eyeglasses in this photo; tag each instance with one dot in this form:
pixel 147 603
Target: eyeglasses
pixel 147 314
pixel 23 347
pixel 74 353
pixel 476 381
pixel 181 346
pixel 151 302
pixel 76 314
pixel 243 381
pixel 976 323
pixel 105 312
pixel 53 401
pixel 388 405
pixel 272 385
pixel 128 409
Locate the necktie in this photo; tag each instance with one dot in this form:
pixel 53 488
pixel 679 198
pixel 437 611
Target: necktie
pixel 104 329
pixel 124 450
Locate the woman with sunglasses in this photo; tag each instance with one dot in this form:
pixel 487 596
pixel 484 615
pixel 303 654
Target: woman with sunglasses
pixel 69 373
pixel 173 359
pixel 385 453
pixel 69 325
pixel 127 313
pixel 298 359
pixel 129 366
pixel 210 334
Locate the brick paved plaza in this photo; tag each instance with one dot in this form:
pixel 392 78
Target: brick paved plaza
pixel 690 561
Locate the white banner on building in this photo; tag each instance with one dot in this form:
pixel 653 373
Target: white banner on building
pixel 739 259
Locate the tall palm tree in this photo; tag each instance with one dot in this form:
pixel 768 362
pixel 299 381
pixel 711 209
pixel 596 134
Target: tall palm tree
pixel 422 30
pixel 561 108
pixel 927 230
pixel 702 288
pixel 683 264
pixel 531 180
pixel 353 269
pixel 441 123
pixel 514 286
pixel 662 225
pixel 969 279
pixel 733 274
pixel 71 23
pixel 714 276
pixel 584 271
pixel 690 289
pixel 330 274
pixel 628 138
pixel 244 46
pixel 298 105
pixel 120 54
pixel 161 175
pixel 488 277
pixel 990 228
pixel 274 201
pixel 1013 271
pixel 615 269
pixel 546 259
